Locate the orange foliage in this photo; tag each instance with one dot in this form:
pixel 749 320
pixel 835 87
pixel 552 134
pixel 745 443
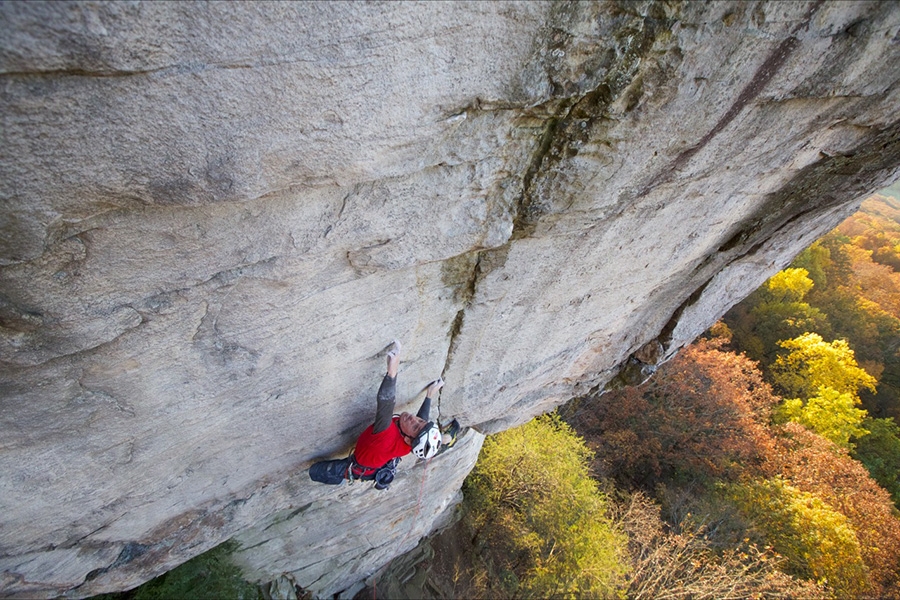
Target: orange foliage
pixel 876 228
pixel 703 415
pixel 874 282
pixel 706 416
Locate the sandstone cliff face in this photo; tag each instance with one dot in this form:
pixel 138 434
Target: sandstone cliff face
pixel 215 218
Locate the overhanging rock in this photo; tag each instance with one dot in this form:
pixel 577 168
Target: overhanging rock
pixel 216 217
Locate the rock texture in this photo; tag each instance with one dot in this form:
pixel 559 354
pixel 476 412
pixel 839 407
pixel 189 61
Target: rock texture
pixel 216 216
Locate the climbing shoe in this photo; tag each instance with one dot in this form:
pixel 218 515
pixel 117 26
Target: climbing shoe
pixel 451 430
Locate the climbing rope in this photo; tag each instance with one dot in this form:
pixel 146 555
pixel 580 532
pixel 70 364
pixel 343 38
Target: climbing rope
pixel 408 531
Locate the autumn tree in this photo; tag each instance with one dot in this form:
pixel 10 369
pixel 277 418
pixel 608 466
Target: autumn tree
pixel 816 466
pixel 829 413
pixel 816 540
pixel 532 497
pixel 703 415
pixel 801 299
pixel 774 312
pixel 859 296
pixel 789 285
pixel 705 418
pixel 821 381
pixel 875 282
pixel 816 261
pixel 875 228
pixel 812 363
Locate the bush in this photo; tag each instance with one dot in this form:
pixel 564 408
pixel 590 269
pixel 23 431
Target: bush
pixel 683 562
pixel 209 576
pixel 817 466
pixel 703 416
pixel 533 498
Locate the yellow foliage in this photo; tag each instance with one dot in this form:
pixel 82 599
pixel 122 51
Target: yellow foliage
pixel 531 486
pixel 825 378
pixel 817 541
pixel 830 413
pixel 813 363
pixel 790 285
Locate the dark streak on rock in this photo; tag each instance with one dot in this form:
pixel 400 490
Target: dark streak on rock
pixel 527 210
pixel 337 219
pixel 818 188
pixel 576 116
pixel 762 77
pixel 758 82
pixel 467 294
pixel 130 551
pixel 821 186
pixel 280 520
pixel 174 69
pixel 665 334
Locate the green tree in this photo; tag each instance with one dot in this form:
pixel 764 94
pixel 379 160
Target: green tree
pixel 208 576
pixel 532 496
pixel 879 452
pixel 777 321
pixel 815 260
pixel 774 312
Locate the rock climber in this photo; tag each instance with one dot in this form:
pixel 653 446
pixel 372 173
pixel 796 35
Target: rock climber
pixel 381 446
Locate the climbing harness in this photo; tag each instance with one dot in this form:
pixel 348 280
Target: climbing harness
pixel 383 476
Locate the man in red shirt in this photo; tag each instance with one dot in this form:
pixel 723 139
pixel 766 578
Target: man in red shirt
pixel 380 447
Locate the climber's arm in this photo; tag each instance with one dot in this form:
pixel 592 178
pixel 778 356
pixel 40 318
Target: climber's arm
pixel 425 409
pixel 384 411
pixel 433 388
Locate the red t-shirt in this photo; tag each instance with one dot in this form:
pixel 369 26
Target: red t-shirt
pixel 375 449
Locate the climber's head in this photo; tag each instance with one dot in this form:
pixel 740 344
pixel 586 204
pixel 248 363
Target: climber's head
pixel 424 437
pixel 411 426
pixel 428 442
